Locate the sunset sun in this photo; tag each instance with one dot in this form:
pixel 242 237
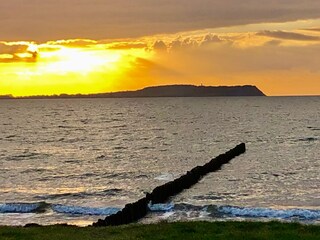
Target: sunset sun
pixel 79 61
pixel 32 48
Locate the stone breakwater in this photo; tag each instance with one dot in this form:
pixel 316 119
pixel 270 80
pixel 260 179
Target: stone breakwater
pixel 132 212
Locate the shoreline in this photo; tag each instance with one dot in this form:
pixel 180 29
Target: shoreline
pixel 47 214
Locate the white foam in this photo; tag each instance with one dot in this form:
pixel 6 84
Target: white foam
pixel 161 207
pixel 84 210
pixel 305 214
pixel 165 177
pixel 167 215
pixel 19 207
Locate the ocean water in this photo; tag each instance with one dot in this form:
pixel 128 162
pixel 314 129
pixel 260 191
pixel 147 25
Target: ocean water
pixel 77 160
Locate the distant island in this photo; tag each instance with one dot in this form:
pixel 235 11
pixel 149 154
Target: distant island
pixel 163 91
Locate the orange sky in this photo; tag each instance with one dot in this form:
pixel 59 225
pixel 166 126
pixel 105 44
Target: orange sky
pixel 280 58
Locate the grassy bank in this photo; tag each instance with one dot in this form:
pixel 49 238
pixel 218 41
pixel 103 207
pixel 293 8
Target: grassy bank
pixel 189 230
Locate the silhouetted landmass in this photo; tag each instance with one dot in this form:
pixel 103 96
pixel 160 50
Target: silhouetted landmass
pixel 165 91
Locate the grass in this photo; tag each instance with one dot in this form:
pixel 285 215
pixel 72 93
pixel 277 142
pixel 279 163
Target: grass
pixel 179 230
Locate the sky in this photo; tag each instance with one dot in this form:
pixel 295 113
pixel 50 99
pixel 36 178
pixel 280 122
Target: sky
pixel 91 46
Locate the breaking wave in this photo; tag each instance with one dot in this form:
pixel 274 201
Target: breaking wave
pixel 303 214
pixel 177 211
pixel 161 207
pixel 84 210
pixel 41 207
pixel 23 207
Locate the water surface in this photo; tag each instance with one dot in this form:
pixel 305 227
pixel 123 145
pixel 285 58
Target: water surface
pixel 85 157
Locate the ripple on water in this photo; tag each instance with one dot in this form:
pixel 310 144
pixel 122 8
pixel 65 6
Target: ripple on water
pixel 81 195
pixel 307 139
pixel 27 156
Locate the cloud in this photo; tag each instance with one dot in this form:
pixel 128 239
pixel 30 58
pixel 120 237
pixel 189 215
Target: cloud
pixel 26 57
pixel 13 47
pixel 126 45
pixel 73 43
pixel 222 57
pixel 159 45
pixel 209 39
pixel 313 29
pixel 100 19
pixel 11 52
pixel 273 42
pixel 288 35
pixel 205 57
pixel 186 42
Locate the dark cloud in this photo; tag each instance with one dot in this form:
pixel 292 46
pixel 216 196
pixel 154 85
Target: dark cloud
pixel 289 36
pixel 159 46
pixel 176 44
pixel 101 19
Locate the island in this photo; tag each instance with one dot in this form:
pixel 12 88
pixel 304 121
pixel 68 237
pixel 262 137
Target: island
pixel 164 91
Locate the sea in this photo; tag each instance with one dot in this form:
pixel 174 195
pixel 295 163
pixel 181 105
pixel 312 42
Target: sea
pixel 79 160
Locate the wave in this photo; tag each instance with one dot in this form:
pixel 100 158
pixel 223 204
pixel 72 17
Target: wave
pixel 302 214
pixel 82 195
pixel 176 211
pixel 215 211
pixel 23 207
pixel 27 156
pixel 161 207
pixel 77 210
pixel 41 207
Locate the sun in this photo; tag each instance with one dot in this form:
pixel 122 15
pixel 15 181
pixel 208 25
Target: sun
pixel 68 60
pixel 32 48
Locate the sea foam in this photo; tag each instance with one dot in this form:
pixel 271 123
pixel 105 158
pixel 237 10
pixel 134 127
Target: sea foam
pixel 303 214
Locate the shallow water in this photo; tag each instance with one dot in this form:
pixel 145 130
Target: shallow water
pixel 89 156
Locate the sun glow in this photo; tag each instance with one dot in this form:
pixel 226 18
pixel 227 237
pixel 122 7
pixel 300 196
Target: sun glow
pixel 32 48
pixel 208 56
pixel 69 60
pixel 47 69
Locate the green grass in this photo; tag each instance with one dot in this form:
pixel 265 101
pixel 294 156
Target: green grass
pixel 180 230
